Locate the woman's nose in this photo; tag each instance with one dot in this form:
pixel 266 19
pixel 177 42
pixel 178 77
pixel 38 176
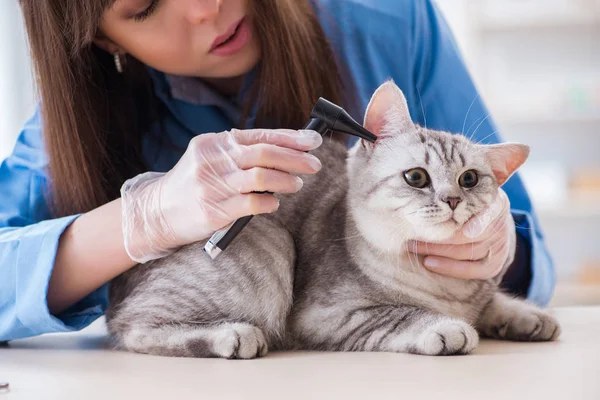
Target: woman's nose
pixel 199 11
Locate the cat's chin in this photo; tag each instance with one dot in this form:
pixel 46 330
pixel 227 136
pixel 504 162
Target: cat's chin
pixel 440 231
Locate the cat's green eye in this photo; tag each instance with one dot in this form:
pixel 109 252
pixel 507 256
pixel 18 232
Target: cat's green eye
pixel 468 179
pixel 417 177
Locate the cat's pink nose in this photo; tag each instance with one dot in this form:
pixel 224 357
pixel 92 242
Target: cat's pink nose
pixel 453 202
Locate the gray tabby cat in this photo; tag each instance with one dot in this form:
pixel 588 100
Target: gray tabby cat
pixel 330 270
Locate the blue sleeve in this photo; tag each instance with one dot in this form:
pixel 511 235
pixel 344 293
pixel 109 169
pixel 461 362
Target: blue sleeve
pixel 448 100
pixel 28 245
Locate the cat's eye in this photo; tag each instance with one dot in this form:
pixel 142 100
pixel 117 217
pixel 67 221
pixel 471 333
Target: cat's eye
pixel 417 177
pixel 468 179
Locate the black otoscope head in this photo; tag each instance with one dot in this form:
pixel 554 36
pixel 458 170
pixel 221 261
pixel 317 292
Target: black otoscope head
pixel 338 120
pixel 325 117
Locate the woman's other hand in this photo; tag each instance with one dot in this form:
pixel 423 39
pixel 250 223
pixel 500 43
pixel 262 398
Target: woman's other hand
pixel 480 250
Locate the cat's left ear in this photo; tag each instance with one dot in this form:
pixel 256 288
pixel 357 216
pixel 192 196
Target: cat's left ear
pixel 505 159
pixel 387 113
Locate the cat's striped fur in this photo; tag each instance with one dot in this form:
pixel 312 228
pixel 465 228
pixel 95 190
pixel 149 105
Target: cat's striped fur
pixel 329 270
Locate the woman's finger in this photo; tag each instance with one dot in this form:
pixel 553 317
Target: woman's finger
pixel 304 140
pixel 249 204
pixel 221 214
pixel 467 270
pixel 264 180
pixel 280 158
pixel 462 252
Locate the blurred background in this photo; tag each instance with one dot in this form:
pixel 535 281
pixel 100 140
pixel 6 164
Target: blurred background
pixel 17 101
pixel 537 65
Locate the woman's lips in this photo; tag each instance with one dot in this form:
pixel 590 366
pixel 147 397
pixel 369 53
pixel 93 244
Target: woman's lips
pixel 234 40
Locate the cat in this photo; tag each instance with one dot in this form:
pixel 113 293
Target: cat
pixel 330 269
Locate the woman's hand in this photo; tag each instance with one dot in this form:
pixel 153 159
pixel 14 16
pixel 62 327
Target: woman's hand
pixel 481 250
pixel 212 185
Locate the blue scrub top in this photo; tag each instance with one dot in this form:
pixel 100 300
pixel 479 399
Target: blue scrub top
pixel 406 40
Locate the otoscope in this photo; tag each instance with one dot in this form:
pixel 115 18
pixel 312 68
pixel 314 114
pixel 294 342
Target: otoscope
pixel 325 117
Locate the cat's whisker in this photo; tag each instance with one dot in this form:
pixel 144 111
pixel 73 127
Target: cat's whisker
pixel 422 108
pixel 491 134
pixel 522 228
pixel 468 111
pixel 345 238
pixel 479 126
pixel 411 213
pixel 415 265
pixel 496 230
pixel 409 256
pixel 469 137
pixel 407 252
pixel 330 134
pixel 400 229
pixel 478 120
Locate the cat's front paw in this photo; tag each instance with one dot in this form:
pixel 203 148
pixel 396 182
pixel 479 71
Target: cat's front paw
pixel 447 337
pixel 241 341
pixel 529 325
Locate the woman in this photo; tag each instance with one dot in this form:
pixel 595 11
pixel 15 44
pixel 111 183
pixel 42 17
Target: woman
pixel 129 86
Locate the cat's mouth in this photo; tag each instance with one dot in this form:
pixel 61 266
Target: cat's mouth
pixel 448 217
pixel 452 221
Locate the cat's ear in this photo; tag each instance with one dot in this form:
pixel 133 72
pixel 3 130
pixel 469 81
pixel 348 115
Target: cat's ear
pixel 387 113
pixel 505 159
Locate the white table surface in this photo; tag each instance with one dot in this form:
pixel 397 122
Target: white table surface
pixel 81 366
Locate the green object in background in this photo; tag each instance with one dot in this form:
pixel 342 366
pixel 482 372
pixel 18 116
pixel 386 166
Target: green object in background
pixel 578 98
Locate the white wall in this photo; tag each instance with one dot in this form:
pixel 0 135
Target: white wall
pixel 16 87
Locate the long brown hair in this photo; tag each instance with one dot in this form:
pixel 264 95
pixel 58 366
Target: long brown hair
pixel 94 118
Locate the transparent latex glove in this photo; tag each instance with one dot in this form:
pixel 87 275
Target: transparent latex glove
pixel 211 186
pixel 482 249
